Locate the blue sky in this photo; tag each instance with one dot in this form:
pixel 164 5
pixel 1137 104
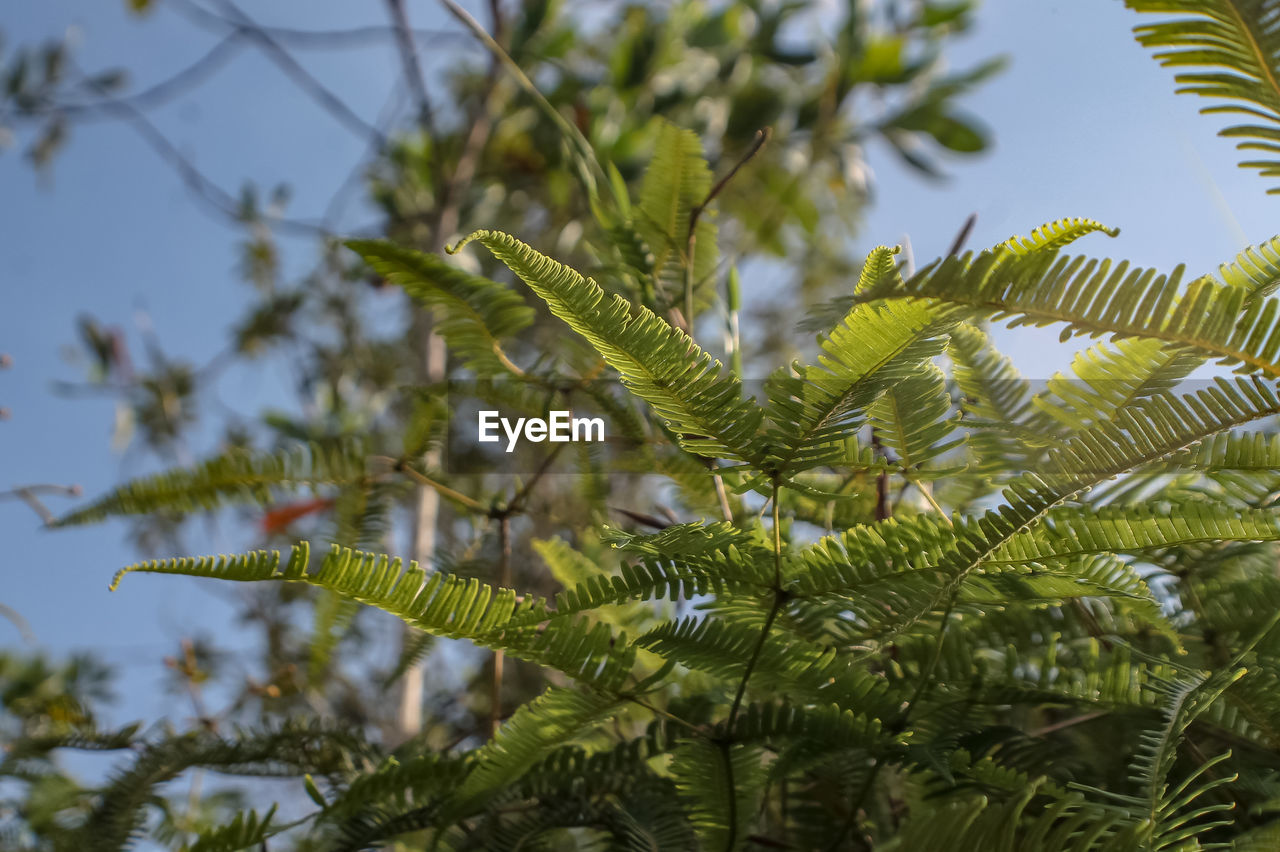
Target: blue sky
pixel 1085 124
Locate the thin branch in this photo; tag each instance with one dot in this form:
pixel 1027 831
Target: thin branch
pixel 924 489
pixel 427 344
pixel 517 502
pixel 778 597
pixel 354 37
pixel 963 236
pixel 443 490
pixel 167 90
pixel 641 518
pixel 731 842
pixel 671 717
pixel 359 171
pixel 16 619
pixel 1067 723
pixel 571 132
pixel 28 494
pixel 214 197
pixel 722 496
pixel 284 60
pixel 413 74
pixel 504 582
pixel 761 137
pixel 753 659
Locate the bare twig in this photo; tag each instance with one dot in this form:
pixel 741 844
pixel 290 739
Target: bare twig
pixel 165 91
pixel 28 494
pixel 352 37
pixel 301 77
pixel 440 488
pixel 413 75
pixel 961 238
pixel 761 137
pixel 214 197
pixel 504 582
pixel 16 619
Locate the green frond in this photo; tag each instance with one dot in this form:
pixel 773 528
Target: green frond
pixel 994 401
pixel 657 362
pixel 991 386
pixel 20 749
pixel 415 648
pixel 395 785
pixel 1231 49
pixel 835 727
pixel 1134 529
pixel 913 418
pixel 1055 235
pixel 867 553
pixel 794 667
pixel 1256 270
pixel 978 824
pixel 728 557
pixel 571 769
pixel 440 604
pixel 880 269
pixel 880 273
pixel 1106 378
pixel 1162 817
pixel 238 476
pixel 332 617
pixel 245 831
pixel 676 180
pixel 556 717
pixel 722 786
pixel 1149 430
pixel 1079 577
pixel 1092 297
pixel 813 412
pixel 292 749
pixel 472 313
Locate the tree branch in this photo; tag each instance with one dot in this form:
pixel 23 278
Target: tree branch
pixel 290 66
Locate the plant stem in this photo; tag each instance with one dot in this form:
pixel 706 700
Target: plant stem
pixel 778 598
pixel 504 582
pixel 762 136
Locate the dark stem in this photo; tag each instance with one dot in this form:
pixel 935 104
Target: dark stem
pixel 762 136
pixel 961 238
pixel 504 582
pixel 724 746
pixel 778 598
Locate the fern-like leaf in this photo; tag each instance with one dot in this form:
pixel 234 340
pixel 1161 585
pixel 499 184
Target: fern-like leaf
pixel 239 476
pixel 1231 49
pixel 659 363
pixel 440 604
pixel 676 180
pixel 244 832
pixel 1223 322
pixel 813 412
pixel 473 314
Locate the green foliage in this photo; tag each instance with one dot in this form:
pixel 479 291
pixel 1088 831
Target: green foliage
pixel 475 315
pixel 928 651
pixel 676 181
pixel 653 359
pixel 1228 50
pixel 239 476
pixel 900 601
